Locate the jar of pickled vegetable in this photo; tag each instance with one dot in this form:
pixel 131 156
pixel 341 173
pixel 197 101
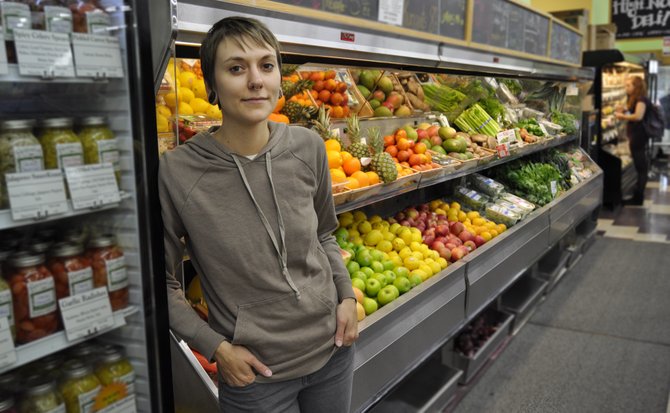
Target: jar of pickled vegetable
pixel 20 151
pixel 99 143
pixel 40 246
pixel 113 367
pixel 109 269
pixel 51 15
pixel 72 271
pixel 15 15
pixel 41 396
pixel 7 404
pixel 61 146
pixel 86 352
pixel 33 296
pixel 79 387
pixel 47 367
pixel 88 16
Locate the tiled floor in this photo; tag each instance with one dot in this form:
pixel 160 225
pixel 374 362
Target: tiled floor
pixel 649 222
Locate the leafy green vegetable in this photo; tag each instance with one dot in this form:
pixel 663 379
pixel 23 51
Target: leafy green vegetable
pixel 531 126
pixel 476 120
pixel 493 107
pixel 531 180
pixel 442 98
pixel 566 120
pixel 513 85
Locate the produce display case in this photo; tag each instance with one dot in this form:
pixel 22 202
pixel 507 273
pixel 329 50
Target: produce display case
pixel 403 335
pixel 522 299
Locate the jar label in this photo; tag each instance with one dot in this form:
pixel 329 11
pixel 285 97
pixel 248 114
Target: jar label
pixel 6 309
pixel 117 277
pixel 14 16
pixel 97 22
pixel 42 295
pixel 28 158
pixel 58 19
pixel 129 381
pixel 87 400
pixel 69 154
pixel 80 281
pixel 108 152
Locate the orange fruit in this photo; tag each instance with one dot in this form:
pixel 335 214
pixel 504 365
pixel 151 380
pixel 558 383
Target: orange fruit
pixel 329 75
pixel 362 178
pixel 315 76
pixel 420 148
pixel 392 150
pixel 336 98
pixel 402 144
pixel 333 145
pixel 319 85
pixel 351 166
pixel 334 159
pixel 345 156
pixel 400 134
pixel 324 95
pixel 373 177
pixel 337 112
pixel 414 160
pixel 352 183
pixel 389 140
pixel 337 176
pixel 330 84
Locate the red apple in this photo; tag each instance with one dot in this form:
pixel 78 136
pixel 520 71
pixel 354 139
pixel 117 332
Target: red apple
pixel 422 134
pixel 456 228
pixel 442 229
pixel 444 253
pixel 433 130
pixel 436 245
pixel 479 241
pixel 470 245
pixel 380 96
pixel 428 239
pixel 457 253
pixel 441 239
pixel 450 246
pixel 423 208
pixel 465 236
pixel 389 105
pixel 400 216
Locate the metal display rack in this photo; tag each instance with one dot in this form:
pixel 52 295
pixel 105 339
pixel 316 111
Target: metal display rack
pixel 405 334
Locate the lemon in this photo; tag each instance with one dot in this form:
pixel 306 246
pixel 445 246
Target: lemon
pixel 435 266
pixel 407 237
pixel 427 254
pixel 184 109
pixel 214 112
pixel 394 228
pixel 417 237
pixel 199 105
pixel 455 205
pixel 385 246
pixel 405 252
pixel 359 216
pixel 415 246
pixel 411 263
pixel 462 216
pixel 364 227
pixel 375 218
pixel 199 89
pixel 501 228
pixel 420 273
pixel 185 94
pixel 398 244
pixel 486 235
pixel 427 269
pixel 493 233
pixel 377 225
pixel 162 124
pixel 373 237
pixel 389 236
pixel 418 255
pixel 163 110
pixel 478 221
pixel 473 214
pixel 353 232
pixel 396 260
pixel 357 240
pixel 187 79
pixel 171 99
pixel 443 262
pixel 440 211
pixel 345 221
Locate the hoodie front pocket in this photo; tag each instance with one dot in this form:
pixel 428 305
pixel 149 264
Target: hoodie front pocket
pixel 281 329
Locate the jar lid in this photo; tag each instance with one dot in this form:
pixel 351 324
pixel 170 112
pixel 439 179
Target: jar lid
pixel 84 350
pixel 110 354
pixel 75 369
pixel 6 401
pixel 51 362
pixel 37 385
pixel 76 235
pixel 17 124
pixel 9 380
pixel 101 241
pixel 67 249
pixel 93 121
pixel 40 247
pixel 4 254
pixel 57 123
pixel 23 259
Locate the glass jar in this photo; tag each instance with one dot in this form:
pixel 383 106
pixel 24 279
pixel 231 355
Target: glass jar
pixel 72 271
pixel 87 16
pixel 15 15
pixel 34 297
pixel 99 143
pixel 86 352
pixel 51 15
pixel 10 382
pixel 41 396
pixel 79 387
pixel 109 269
pixel 114 367
pixel 47 367
pixel 6 306
pixel 20 151
pixel 7 404
pixel 61 146
pixel 40 246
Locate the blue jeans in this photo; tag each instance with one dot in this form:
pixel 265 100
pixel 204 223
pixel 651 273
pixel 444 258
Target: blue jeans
pixel 327 390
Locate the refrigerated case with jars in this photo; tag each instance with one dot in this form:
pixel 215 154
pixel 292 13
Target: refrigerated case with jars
pixel 412 339
pixel 78 160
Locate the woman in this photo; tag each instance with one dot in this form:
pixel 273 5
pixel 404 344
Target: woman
pixel 637 104
pixel 252 201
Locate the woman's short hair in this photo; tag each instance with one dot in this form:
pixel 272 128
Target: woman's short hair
pixel 239 29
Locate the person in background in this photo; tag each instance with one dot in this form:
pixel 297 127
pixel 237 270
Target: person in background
pixel 252 201
pixel 636 107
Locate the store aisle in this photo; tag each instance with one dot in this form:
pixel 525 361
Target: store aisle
pixel 598 343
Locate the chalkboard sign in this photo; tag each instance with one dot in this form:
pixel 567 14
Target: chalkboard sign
pixel 421 15
pixel 452 18
pixel 489 22
pixel 364 9
pixel 637 19
pixel 536 33
pixel 566 45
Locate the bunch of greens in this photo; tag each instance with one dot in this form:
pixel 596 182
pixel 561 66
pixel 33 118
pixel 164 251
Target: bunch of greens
pixel 476 120
pixel 531 126
pixel 566 120
pixel 512 85
pixel 531 180
pixel 442 98
pixel 493 107
pixel 561 161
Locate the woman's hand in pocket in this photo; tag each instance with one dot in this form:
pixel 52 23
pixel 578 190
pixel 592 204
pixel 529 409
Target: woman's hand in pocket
pixel 238 366
pixel 347 323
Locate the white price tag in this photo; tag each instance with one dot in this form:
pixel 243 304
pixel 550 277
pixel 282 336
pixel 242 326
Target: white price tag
pixel 36 194
pixel 506 136
pixel 390 11
pixel 443 120
pixel 45 54
pixel 554 188
pixel 7 352
pixel 92 185
pixel 86 314
pixel 4 68
pixel 572 90
pixel 544 130
pixel 127 405
pixel 96 55
pixel 503 150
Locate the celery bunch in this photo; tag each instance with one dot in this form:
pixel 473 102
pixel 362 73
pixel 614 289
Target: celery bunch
pixel 475 120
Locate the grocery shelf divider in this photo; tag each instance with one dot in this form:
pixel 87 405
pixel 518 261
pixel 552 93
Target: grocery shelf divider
pixel 53 343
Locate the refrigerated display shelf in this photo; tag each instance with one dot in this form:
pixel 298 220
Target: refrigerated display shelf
pixel 13 76
pixel 53 343
pixel 6 221
pixel 522 300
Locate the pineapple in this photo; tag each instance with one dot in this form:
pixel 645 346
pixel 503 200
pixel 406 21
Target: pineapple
pixel 322 126
pixel 297 113
pixel 290 88
pixel 287 69
pixel 356 148
pixel 382 162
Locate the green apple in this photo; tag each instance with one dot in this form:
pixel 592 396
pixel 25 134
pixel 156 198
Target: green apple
pixel 403 284
pixel 353 266
pixel 401 271
pixel 415 279
pixel 377 266
pixel 388 265
pixel 381 278
pixel 376 255
pixel 368 271
pixel 387 294
pixel 359 274
pixel 364 258
pixel 390 276
pixel 369 305
pixel 372 287
pixel 358 283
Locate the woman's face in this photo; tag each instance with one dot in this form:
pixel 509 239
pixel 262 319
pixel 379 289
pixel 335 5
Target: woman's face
pixel 629 87
pixel 247 79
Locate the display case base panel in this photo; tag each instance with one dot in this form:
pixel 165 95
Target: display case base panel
pixel 552 276
pixel 428 389
pixel 589 241
pixel 522 299
pixel 193 390
pixel 574 206
pixel 470 366
pixel 559 276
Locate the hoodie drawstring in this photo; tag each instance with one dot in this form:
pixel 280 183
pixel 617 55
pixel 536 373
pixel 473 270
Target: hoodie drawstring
pixel 283 255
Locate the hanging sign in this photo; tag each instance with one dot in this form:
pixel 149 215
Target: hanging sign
pixel 640 19
pixel 86 314
pixel 92 185
pixel 44 54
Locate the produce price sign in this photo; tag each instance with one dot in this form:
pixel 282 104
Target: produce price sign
pixel 86 314
pixel 44 54
pixel 391 11
pixel 36 194
pixel 7 352
pixel 92 185
pixel 503 150
pixel 97 56
pixel 4 69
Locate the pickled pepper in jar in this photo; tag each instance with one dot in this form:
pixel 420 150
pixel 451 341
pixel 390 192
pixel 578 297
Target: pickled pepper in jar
pixel 99 143
pixel 33 296
pixel 62 148
pixel 109 269
pixel 41 396
pixel 20 151
pixel 72 271
pixel 113 367
pixel 79 387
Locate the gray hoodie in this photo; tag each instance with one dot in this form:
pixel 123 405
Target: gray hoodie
pixel 271 279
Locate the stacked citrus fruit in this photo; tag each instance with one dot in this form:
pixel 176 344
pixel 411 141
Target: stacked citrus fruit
pixel 403 146
pixel 346 169
pixel 329 91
